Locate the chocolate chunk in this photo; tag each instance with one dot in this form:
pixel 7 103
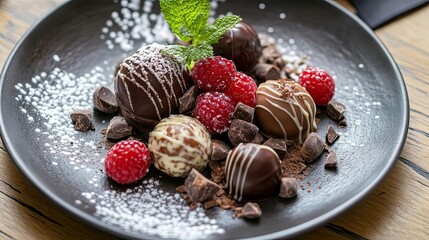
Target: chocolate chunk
pixel 249 210
pixel 82 120
pixel 259 139
pixel 265 71
pixel 181 189
pixel 343 122
pixel 118 128
pixel 288 187
pixel 312 147
pixel 270 54
pixel 331 135
pixel 242 132
pixel 187 101
pixel 266 40
pixel 331 160
pixel 243 112
pixel 199 188
pixel 210 204
pixel 104 100
pixel 336 110
pixel 279 62
pixel 278 145
pixel 219 150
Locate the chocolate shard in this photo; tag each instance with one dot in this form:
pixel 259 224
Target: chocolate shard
pixel 199 188
pixel 270 54
pixel 331 160
pixel 279 62
pixel 104 100
pixel 187 101
pixel 241 131
pixel 259 139
pixel 343 122
pixel 249 210
pixel 118 128
pixel 243 112
pixel 336 110
pixel 278 145
pixel 288 187
pixel 219 150
pixel 265 71
pixel 312 147
pixel 82 120
pixel 331 135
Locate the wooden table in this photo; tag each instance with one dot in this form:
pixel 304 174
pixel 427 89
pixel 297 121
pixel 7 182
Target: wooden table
pixel 397 209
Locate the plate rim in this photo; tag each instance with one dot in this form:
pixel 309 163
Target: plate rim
pixel 290 232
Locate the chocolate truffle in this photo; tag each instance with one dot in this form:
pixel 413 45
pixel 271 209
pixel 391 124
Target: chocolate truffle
pixel 148 86
pixel 240 44
pixel 252 172
pixel 284 109
pixel 178 144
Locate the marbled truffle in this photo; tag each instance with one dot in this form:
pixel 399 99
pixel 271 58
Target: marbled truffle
pixel 240 44
pixel 148 85
pixel 284 109
pixel 253 172
pixel 178 144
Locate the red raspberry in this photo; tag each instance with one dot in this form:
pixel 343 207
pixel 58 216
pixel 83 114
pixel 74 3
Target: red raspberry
pixel 213 73
pixel 127 162
pixel 243 90
pixel 319 84
pixel 214 111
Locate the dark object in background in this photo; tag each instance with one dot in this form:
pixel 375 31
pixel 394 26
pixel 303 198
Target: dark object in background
pixel 379 12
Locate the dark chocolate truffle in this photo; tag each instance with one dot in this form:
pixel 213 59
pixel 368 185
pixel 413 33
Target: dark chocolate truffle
pixel 148 86
pixel 252 172
pixel 284 109
pixel 240 44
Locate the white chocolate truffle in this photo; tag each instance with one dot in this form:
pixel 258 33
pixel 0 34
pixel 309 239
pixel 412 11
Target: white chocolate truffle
pixel 178 144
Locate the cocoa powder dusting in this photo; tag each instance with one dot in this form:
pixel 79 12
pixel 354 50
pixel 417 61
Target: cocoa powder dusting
pixel 292 164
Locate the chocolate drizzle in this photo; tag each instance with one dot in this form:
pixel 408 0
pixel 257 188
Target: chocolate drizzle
pixel 148 85
pixel 284 109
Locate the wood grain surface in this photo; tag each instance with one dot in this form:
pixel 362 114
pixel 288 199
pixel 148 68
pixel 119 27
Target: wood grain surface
pixel 397 209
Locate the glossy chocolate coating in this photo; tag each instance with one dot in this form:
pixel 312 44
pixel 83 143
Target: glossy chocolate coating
pixel 240 44
pixel 284 109
pixel 148 86
pixel 253 172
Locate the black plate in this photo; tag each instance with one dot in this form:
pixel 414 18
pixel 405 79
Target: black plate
pixel 368 83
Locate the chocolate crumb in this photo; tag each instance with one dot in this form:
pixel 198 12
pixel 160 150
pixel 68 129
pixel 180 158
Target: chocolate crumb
pixel 331 160
pixel 187 101
pixel 293 164
pixel 210 204
pixel 243 112
pixel 343 122
pixel 181 189
pixel 336 110
pixel 242 132
pixel 312 147
pixel 118 128
pixel 278 145
pixel 82 120
pixel 331 135
pixel 288 187
pixel 249 210
pixel 104 100
pixel 219 150
pixel 199 187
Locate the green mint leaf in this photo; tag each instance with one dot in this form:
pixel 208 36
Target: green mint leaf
pixel 186 17
pixel 220 26
pixel 195 53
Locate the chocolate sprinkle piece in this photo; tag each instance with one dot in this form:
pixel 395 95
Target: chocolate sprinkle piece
pixel 278 145
pixel 288 187
pixel 249 210
pixel 118 128
pixel 219 150
pixel 104 100
pixel 331 160
pixel 336 110
pixel 312 147
pixel 82 120
pixel 199 188
pixel 331 135
pixel 243 112
pixel 242 132
pixel 187 101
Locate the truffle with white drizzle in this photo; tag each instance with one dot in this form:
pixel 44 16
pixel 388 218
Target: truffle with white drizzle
pixel 284 109
pixel 148 85
pixel 252 172
pixel 179 143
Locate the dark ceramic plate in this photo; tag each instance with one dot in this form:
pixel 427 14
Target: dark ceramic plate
pixel 74 39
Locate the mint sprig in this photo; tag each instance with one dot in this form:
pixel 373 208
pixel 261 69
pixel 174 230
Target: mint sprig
pixel 188 20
